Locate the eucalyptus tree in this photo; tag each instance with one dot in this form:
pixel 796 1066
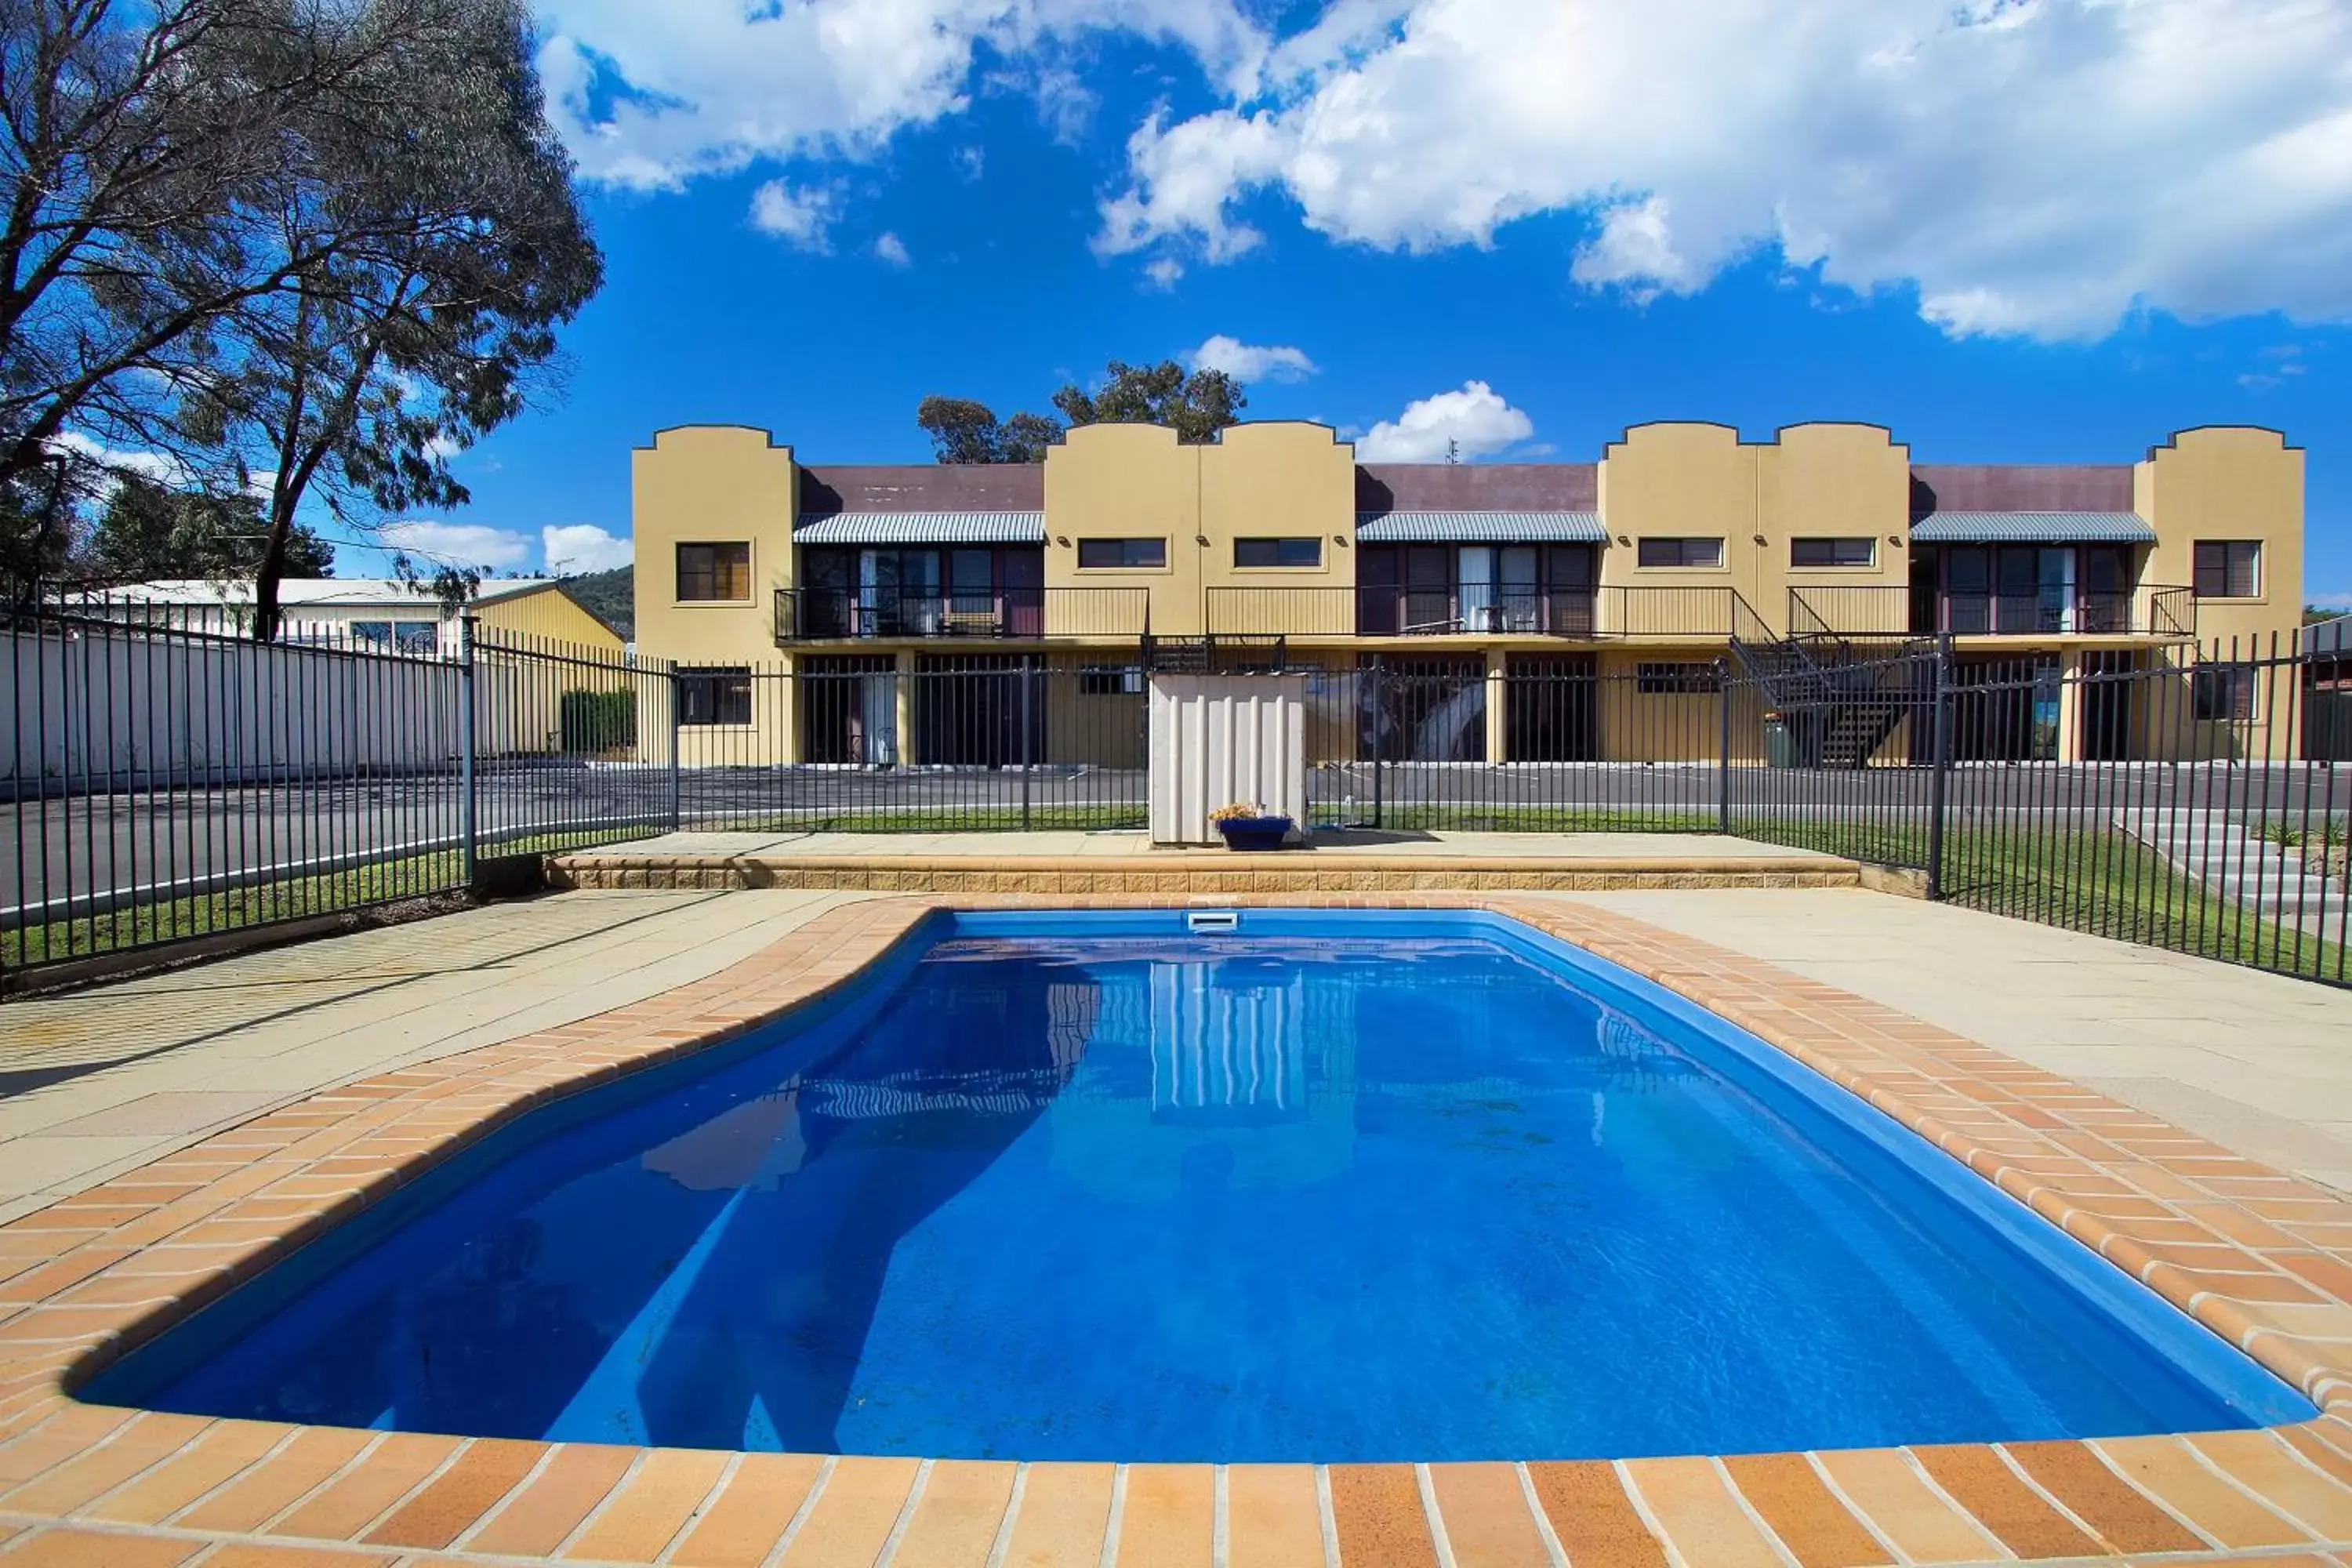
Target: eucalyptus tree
pixel 434 246
pixel 134 134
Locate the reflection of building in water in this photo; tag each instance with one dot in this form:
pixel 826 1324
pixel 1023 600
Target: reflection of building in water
pixel 975 1053
pixel 1238 1055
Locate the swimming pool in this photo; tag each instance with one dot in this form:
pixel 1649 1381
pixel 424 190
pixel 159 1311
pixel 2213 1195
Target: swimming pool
pixel 1328 1186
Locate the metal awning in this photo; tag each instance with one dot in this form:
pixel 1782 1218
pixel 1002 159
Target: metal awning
pixel 1479 527
pixel 921 528
pixel 2032 528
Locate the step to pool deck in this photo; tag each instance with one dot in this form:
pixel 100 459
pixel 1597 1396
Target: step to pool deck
pixel 1129 864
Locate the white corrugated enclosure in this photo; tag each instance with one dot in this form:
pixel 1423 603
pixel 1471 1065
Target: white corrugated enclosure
pixel 1219 739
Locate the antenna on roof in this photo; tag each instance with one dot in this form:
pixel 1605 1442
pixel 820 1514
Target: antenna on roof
pixel 1452 450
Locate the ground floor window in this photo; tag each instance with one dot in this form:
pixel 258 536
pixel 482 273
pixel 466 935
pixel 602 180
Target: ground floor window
pixel 1696 678
pixel 1109 680
pixel 2223 693
pixel 714 695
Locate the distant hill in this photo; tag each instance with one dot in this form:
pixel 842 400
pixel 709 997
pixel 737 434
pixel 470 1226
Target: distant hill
pixel 610 596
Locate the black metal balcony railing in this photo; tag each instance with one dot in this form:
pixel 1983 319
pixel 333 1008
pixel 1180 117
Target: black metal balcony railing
pixel 1476 610
pixel 1893 610
pixel 826 614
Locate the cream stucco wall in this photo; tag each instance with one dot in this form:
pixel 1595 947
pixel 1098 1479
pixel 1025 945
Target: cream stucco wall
pixel 711 485
pixel 1290 479
pixel 2228 483
pixel 1127 482
pixel 1833 482
pixel 1674 481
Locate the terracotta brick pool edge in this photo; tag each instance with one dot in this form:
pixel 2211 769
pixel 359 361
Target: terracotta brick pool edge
pixel 2261 1258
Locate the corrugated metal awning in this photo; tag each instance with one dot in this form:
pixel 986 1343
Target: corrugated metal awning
pixel 1478 527
pixel 921 528
pixel 2032 528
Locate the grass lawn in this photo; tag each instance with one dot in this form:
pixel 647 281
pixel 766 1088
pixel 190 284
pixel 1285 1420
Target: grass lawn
pixel 392 882
pixel 2089 878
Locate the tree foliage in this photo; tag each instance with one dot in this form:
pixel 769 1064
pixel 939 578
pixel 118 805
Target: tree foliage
pixel 1196 405
pixel 963 431
pixel 148 531
pixel 314 246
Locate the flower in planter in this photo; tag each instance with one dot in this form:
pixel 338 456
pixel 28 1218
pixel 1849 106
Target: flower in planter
pixel 1236 811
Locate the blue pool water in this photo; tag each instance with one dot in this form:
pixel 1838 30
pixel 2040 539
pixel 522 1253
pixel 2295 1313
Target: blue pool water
pixel 1331 1188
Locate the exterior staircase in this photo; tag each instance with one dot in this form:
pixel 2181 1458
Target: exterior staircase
pixel 1837 710
pixel 2224 854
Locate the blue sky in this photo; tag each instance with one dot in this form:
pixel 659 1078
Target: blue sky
pixel 1463 218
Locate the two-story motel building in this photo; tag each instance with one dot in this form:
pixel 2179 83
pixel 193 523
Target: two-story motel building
pixel 1273 546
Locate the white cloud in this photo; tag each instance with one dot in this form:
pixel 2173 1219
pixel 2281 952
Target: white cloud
pixel 802 219
pixel 1162 271
pixel 459 544
pixel 650 95
pixel 583 547
pixel 1251 362
pixel 2031 166
pixel 117 461
pixel 893 249
pixel 1475 419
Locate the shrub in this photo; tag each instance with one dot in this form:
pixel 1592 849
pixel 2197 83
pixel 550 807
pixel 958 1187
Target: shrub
pixel 599 721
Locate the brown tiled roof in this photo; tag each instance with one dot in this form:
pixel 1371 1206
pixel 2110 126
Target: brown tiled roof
pixel 923 487
pixel 2019 486
pixel 1477 487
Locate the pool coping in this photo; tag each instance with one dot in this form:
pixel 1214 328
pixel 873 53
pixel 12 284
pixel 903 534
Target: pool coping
pixel 2261 1258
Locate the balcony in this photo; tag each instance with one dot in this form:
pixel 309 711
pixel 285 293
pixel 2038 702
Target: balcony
pixel 1574 614
pixel 1008 615
pixel 1895 611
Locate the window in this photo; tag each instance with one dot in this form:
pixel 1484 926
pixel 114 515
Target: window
pixel 1691 679
pixel 2223 693
pixel 707 573
pixel 407 637
pixel 1682 553
pixel 1810 553
pixel 714 696
pixel 1262 553
pixel 1118 554
pixel 2228 569
pixel 1109 680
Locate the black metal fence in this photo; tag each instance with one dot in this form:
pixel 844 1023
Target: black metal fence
pixel 2185 801
pixel 167 779
pixel 1549 745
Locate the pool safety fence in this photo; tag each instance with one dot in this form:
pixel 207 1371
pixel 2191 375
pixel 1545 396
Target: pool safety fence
pixel 169 780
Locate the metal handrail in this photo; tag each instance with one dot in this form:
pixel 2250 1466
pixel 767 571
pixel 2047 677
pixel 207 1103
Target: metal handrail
pixel 1888 610
pixel 827 615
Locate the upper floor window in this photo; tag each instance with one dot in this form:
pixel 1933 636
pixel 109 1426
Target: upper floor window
pixel 1259 553
pixel 714 572
pixel 1113 554
pixel 1841 551
pixel 715 695
pixel 1658 551
pixel 2229 568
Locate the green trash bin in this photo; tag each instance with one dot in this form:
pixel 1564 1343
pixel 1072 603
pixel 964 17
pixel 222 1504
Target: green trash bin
pixel 1780 746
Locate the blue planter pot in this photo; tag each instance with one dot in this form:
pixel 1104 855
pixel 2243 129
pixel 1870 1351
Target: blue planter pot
pixel 1254 832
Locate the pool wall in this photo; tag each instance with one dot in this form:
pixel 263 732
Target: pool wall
pixel 1830 1118
pixel 2254 1256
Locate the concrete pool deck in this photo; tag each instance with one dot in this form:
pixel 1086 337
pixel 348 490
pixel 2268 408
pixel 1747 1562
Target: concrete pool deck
pixel 2259 1256
pixel 1128 862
